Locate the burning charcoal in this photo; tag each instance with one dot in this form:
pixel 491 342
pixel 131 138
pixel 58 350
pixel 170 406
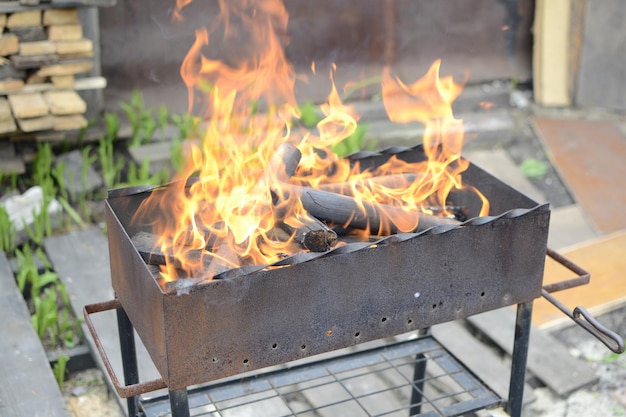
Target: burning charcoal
pixel 388 181
pixel 457 212
pixel 379 218
pixel 145 243
pixel 312 235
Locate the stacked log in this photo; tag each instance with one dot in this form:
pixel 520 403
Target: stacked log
pixel 43 55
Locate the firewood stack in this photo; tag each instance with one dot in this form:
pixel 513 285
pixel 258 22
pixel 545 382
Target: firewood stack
pixel 41 54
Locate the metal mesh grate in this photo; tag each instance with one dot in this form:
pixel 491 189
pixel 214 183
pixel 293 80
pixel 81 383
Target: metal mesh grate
pixel 382 381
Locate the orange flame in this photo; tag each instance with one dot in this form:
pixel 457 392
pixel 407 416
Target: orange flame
pixel 228 215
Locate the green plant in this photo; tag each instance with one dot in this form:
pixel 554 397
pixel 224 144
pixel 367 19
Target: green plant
pixel 352 143
pixel 310 115
pixel 140 174
pixel 7 238
pixel 111 169
pixel 46 316
pixel 141 121
pixel 534 168
pixel 59 369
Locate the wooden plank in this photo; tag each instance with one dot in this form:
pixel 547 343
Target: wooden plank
pixel 3 20
pixel 74 47
pixel 480 359
pixel 71 122
pixel 35 124
pixel 604 259
pixel 32 62
pixel 60 17
pixel 28 105
pixel 70 68
pixel 25 18
pixel 62 81
pixel 9 44
pixel 10 85
pixel 30 33
pixel 28 387
pixel 5 109
pixel 590 155
pixel 65 32
pixel 37 48
pixel 551 52
pixel 81 259
pixel 548 359
pixel 64 102
pixel 8 71
pixel 81 84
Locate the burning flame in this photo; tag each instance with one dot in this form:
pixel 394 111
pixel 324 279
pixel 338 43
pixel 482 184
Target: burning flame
pixel 246 174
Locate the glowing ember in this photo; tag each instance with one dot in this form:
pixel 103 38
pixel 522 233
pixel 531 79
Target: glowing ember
pixel 250 170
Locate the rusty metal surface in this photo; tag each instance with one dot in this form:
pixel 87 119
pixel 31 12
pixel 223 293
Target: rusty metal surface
pixel 122 391
pixel 257 317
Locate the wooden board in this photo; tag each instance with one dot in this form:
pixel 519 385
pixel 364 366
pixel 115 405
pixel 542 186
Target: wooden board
pixel 60 16
pixel 605 259
pixel 37 48
pixel 590 155
pixel 30 33
pixel 33 61
pixel 64 102
pixel 9 44
pixel 65 32
pixel 10 85
pixel 28 386
pixel 71 122
pixel 35 124
pixel 81 259
pixel 550 52
pixel 28 105
pixel 62 81
pixel 26 18
pixel 70 68
pixel 74 47
pixel 480 359
pixel 5 110
pixel 548 359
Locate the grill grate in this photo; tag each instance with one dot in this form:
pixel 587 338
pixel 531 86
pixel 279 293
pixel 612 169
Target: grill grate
pixel 374 382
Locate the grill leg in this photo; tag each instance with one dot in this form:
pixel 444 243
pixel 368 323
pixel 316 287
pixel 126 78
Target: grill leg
pixel 179 403
pixel 129 357
pixel 520 355
pixel 417 393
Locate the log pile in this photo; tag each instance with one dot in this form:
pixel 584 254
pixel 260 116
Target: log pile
pixel 42 55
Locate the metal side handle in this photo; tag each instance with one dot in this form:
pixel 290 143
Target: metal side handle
pixel 580 315
pixel 123 391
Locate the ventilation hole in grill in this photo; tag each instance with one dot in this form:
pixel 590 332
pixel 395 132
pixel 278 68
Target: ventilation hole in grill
pixel 275 345
pixel 357 334
pixel 384 319
pixel 303 347
pixel 482 294
pixel 434 306
pixel 329 332
pixel 409 321
pixel 214 360
pixel 245 361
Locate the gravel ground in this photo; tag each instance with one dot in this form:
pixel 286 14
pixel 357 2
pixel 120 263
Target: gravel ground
pixel 86 394
pixel 608 396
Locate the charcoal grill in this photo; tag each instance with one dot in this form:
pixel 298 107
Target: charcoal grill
pixel 252 318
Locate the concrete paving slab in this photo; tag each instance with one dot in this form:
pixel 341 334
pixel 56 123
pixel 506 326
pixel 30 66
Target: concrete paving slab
pixel 28 387
pixel 500 165
pixel 79 177
pixel 569 226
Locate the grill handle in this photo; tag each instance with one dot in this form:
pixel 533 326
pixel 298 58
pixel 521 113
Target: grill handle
pixel 580 315
pixel 123 391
